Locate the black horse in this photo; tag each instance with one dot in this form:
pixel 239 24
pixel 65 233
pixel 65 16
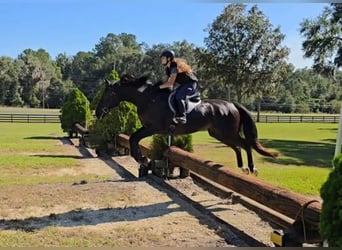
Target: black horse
pixel 224 121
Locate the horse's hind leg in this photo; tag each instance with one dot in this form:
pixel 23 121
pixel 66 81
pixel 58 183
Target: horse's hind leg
pixel 237 151
pixel 251 167
pixel 228 141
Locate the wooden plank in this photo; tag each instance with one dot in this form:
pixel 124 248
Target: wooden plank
pixel 284 201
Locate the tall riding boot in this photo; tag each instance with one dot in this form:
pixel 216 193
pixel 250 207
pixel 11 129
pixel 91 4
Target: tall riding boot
pixel 175 106
pixel 181 116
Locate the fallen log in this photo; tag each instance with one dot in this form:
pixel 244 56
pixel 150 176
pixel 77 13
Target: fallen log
pixel 291 204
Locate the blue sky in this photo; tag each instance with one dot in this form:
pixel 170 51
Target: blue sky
pixel 70 26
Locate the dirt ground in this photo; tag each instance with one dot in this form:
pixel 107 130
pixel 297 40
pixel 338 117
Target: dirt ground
pixel 122 212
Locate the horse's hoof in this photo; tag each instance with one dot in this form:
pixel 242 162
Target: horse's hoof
pixel 245 170
pixel 143 161
pixel 143 171
pixel 255 172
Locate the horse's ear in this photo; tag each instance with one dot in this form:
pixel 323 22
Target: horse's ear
pixel 107 82
pixel 126 77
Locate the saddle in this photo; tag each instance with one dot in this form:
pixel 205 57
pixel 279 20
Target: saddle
pixel 190 101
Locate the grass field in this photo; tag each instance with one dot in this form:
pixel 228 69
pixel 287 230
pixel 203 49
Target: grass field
pixel 27 151
pixel 30 153
pixel 38 173
pixel 306 151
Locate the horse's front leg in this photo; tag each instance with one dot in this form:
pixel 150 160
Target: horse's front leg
pixel 134 144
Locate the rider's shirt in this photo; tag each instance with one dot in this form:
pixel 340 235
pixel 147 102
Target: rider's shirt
pixel 182 77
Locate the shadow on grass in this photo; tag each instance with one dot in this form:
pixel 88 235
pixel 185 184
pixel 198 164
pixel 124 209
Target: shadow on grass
pixel 317 154
pixel 60 156
pixel 43 138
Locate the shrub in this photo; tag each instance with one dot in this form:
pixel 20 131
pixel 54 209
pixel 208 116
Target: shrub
pixel 76 109
pixel 160 144
pixel 122 119
pixel 331 215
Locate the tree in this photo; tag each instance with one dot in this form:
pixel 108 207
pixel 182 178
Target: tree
pixel 9 82
pixel 56 92
pixel 121 53
pixel 323 40
pixel 65 64
pixel 83 73
pixel 247 51
pixel 37 70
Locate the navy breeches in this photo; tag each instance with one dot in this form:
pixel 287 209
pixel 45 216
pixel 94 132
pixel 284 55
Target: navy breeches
pixel 184 90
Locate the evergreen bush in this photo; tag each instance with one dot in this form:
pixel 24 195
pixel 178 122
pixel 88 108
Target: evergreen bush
pixel 76 109
pixel 160 144
pixel 331 214
pixel 122 119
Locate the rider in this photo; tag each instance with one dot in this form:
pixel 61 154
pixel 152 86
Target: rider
pixel 178 71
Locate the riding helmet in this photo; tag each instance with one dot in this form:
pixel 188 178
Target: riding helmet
pixel 168 54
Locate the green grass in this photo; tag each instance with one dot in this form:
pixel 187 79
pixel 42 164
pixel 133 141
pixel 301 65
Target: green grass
pixel 27 151
pixel 32 153
pixel 35 161
pixel 29 137
pixel 306 151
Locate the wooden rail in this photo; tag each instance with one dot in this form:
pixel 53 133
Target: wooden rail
pixel 79 129
pixel 300 208
pixel 29 118
pixel 298 118
pixel 123 140
pixel 281 200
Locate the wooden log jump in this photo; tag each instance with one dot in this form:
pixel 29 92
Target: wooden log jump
pixel 281 200
pixel 303 210
pixel 79 129
pixel 123 140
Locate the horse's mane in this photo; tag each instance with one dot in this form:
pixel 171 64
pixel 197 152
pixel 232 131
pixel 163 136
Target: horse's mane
pixel 139 81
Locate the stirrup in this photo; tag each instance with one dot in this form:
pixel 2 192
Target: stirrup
pixel 175 120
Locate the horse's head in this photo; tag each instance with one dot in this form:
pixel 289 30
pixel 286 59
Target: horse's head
pixel 127 89
pixel 109 99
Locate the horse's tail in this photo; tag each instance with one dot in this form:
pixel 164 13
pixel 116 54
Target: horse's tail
pixel 251 133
